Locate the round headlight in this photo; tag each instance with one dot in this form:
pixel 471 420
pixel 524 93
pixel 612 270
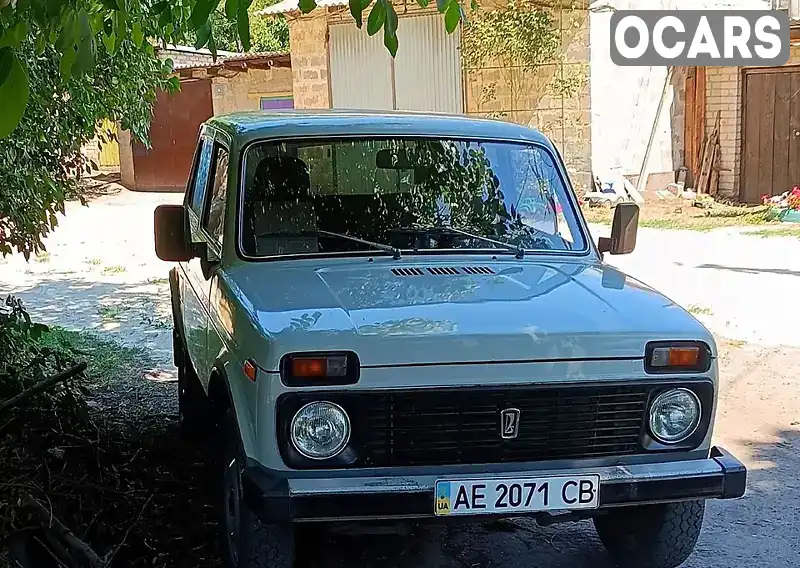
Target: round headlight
pixel 674 415
pixel 320 430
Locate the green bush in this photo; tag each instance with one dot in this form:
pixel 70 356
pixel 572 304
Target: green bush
pixel 29 353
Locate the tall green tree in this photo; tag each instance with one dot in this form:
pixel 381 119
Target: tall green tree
pixel 266 34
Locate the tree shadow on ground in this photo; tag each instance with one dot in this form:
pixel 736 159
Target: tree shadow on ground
pixel 134 313
pixel 762 528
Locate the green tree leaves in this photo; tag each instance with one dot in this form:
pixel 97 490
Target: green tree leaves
pixel 377 17
pixel 77 28
pixel 268 34
pixel 201 12
pixel 40 155
pixel 243 21
pixel 14 91
pixel 452 16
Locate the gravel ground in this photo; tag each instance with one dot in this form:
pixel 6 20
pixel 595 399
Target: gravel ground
pixel 100 274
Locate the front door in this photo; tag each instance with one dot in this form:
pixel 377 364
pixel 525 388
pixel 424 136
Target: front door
pixel 771 153
pixel 194 286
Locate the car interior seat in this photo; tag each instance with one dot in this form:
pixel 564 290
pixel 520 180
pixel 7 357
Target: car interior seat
pixel 279 213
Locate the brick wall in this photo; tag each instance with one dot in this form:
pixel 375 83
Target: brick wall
pixel 243 90
pixel 724 94
pixel 308 38
pixel 187 57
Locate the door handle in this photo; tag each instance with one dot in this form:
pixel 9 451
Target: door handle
pixel 797 133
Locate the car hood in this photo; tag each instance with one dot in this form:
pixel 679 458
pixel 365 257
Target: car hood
pixel 399 312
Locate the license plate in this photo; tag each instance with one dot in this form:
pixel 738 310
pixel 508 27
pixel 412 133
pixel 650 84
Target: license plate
pixel 514 496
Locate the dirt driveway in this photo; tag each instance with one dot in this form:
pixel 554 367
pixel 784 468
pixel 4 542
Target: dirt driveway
pixel 100 273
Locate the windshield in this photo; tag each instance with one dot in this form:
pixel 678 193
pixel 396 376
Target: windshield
pixel 303 197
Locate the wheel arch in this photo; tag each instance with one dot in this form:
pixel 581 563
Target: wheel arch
pixel 224 398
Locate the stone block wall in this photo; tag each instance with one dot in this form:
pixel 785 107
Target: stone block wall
pixel 308 38
pixel 239 91
pixel 724 92
pixel 537 97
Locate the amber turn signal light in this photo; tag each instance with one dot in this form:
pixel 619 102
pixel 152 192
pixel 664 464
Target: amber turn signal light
pixel 250 370
pixel 679 356
pixel 320 367
pixel 313 369
pixel 675 356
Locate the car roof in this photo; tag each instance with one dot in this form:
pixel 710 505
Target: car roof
pixel 254 125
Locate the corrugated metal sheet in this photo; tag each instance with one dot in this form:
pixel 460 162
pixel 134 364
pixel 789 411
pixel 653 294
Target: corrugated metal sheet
pixel 361 69
pixel 428 66
pixel 794 10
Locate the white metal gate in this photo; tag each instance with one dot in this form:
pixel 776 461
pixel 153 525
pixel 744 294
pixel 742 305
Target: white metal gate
pixel 425 76
pixel 361 69
pixel 428 66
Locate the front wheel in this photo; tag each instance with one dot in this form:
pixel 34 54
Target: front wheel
pixel 651 536
pixel 246 541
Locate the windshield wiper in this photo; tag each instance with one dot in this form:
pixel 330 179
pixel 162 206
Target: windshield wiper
pixel 519 251
pixel 396 254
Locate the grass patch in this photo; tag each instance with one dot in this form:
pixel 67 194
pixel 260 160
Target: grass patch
pixel 110 313
pixel 676 216
pixel 94 261
pixel 700 310
pixel 787 231
pixel 116 269
pixel 42 257
pixel 158 281
pixel 107 360
pixel 735 343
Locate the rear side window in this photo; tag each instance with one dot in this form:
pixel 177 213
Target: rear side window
pixel 215 222
pixel 200 182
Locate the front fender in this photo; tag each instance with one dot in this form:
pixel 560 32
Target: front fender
pixel 240 391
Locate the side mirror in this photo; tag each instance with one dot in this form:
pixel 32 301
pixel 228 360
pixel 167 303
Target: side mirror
pixel 171 224
pixel 623 230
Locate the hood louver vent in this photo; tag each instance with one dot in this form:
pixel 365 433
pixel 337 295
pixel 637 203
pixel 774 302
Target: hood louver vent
pixel 477 270
pixel 407 271
pixel 443 271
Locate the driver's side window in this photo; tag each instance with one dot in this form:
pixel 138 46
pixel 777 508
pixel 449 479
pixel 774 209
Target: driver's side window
pixel 199 183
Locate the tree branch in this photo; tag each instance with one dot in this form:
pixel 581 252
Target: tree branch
pixel 42 386
pixel 72 542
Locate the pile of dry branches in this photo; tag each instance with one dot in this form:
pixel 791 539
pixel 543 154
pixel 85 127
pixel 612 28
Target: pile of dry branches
pixel 82 493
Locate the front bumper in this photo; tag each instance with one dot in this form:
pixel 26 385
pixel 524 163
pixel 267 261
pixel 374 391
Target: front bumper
pixel 280 499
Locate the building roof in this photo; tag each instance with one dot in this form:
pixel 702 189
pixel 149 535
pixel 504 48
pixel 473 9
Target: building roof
pixel 288 6
pixel 256 125
pixel 237 59
pixel 190 49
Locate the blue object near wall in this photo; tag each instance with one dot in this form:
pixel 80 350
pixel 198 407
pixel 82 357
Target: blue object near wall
pixel 277 103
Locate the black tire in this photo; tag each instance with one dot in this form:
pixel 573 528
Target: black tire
pixel 194 407
pixel 651 536
pixel 245 541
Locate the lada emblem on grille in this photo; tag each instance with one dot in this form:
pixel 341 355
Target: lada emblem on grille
pixel 509 423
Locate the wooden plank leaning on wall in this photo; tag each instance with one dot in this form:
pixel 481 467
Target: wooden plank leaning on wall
pixel 695 121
